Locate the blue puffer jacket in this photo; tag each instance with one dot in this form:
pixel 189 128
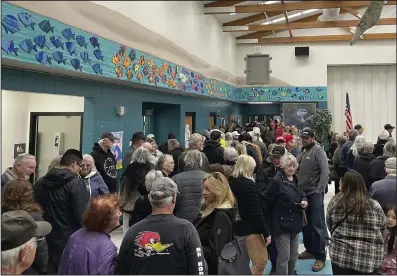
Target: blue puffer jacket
pixel 95 184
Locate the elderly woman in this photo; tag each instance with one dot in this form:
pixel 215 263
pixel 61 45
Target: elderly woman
pixel 196 141
pixel 230 156
pixel 55 162
pixel 18 195
pixel 90 250
pixel 189 186
pixel 133 182
pixel 354 151
pixel 285 200
pixel 142 207
pixel 252 224
pixel 165 164
pixel 91 177
pixel 362 161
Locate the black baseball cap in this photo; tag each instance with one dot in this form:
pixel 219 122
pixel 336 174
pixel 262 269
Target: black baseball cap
pixel 389 126
pixel 138 136
pixel 108 135
pixel 18 227
pixel 278 151
pixel 358 127
pixel 307 132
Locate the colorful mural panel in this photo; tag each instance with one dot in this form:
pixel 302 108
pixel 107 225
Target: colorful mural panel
pixel 29 37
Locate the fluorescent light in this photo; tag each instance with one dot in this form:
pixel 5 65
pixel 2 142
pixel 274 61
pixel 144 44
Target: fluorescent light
pixel 260 102
pixel 266 23
pixel 309 11
pixel 271 2
pixel 278 20
pixel 233 13
pixel 294 15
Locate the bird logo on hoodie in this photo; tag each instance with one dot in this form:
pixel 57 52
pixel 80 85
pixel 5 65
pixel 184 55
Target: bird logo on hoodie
pixel 110 167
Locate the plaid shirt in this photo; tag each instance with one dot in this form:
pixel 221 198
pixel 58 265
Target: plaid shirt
pixel 355 245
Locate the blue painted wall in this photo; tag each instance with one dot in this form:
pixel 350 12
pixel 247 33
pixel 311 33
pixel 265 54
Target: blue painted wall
pixel 101 101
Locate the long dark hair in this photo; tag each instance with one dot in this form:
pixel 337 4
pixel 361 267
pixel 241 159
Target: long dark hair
pixel 393 232
pixel 353 197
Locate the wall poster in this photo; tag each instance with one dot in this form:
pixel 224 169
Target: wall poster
pixel 298 114
pixel 117 149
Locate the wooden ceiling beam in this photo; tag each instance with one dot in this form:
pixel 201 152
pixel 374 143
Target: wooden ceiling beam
pixel 219 4
pixel 353 12
pixel 292 6
pixel 311 25
pixel 296 39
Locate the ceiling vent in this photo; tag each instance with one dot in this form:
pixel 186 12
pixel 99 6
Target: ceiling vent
pixel 257 49
pixel 330 15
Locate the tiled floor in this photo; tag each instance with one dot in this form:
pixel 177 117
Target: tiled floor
pixel 302 266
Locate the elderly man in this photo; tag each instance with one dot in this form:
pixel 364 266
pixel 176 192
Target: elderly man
pixel 20 234
pixel 196 142
pixel 138 138
pixel 190 186
pixel 24 165
pixel 313 174
pixel 105 162
pixel 162 243
pixel 384 191
pixel 175 150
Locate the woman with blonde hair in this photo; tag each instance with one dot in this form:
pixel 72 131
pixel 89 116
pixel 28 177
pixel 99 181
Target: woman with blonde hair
pixel 252 224
pixel 214 224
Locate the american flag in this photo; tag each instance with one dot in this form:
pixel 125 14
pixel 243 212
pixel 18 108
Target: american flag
pixel 348 115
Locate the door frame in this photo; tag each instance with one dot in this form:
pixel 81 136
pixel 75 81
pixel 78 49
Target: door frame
pixel 213 114
pixel 193 114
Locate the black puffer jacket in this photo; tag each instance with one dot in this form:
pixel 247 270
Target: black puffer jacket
pixel 378 147
pixel 64 198
pixel 360 165
pixel 376 169
pixel 214 152
pixel 190 189
pixel 283 198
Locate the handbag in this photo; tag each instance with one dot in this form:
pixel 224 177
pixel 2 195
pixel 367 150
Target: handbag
pixel 234 259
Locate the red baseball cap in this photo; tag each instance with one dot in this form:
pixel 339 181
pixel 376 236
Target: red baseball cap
pixel 280 138
pixel 288 138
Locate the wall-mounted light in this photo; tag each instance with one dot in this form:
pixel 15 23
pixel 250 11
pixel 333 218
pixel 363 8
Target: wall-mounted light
pixel 120 111
pixel 233 13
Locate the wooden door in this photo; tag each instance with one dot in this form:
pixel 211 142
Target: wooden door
pixel 212 121
pixel 189 121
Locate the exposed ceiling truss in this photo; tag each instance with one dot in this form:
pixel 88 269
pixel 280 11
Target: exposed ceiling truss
pixel 266 20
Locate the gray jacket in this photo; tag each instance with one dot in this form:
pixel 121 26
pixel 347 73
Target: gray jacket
pixel 188 202
pixel 313 169
pixel 384 191
pixel 128 156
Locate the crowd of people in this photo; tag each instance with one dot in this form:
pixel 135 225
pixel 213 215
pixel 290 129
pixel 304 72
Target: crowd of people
pixel 261 184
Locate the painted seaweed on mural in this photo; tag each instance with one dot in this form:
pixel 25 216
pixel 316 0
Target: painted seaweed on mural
pixel 29 37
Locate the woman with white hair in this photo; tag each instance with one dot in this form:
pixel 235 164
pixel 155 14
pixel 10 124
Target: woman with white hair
pixel 91 177
pixel 362 161
pixel 142 207
pixel 354 151
pixel 285 201
pixel 252 224
pixel 230 155
pixel 133 182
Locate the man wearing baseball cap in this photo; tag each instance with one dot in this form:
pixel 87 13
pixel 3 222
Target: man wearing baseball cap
pixel 105 162
pixel 389 128
pixel 19 236
pixel 290 145
pixel 313 175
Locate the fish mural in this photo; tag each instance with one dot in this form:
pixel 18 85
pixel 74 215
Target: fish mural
pixel 26 19
pixel 40 41
pixel 98 54
pixel 71 48
pixel 68 34
pixel 8 47
pixel 94 42
pixel 56 41
pixel 10 24
pixel 46 27
pixel 97 69
pixel 81 41
pixel 43 58
pixel 76 64
pixel 27 46
pixel 85 57
pixel 58 57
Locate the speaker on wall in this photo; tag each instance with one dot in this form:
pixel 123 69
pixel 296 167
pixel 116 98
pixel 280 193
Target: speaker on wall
pixel 302 51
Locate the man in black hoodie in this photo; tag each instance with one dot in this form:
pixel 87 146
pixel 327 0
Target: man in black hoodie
pixel 105 162
pixel 212 148
pixel 63 197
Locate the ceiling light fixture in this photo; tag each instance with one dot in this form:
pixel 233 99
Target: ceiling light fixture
pixel 294 15
pixel 271 2
pixel 233 13
pixel 278 20
pixel 266 23
pixel 309 11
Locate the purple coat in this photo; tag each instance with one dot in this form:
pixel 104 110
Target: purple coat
pixel 88 253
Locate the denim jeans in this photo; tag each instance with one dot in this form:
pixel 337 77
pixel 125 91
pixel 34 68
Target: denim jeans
pixel 315 232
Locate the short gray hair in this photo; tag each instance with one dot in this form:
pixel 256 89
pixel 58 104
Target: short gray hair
pixel 22 157
pixel 159 185
pixel 288 160
pixel 161 160
pixel 228 136
pixel 10 258
pixel 142 156
pixel 193 160
pixel 55 162
pixel 151 177
pixel 389 149
pixel 172 144
pixel 147 146
pixel 90 159
pixel 368 147
pixel 230 154
pixel 358 145
pixel 194 140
